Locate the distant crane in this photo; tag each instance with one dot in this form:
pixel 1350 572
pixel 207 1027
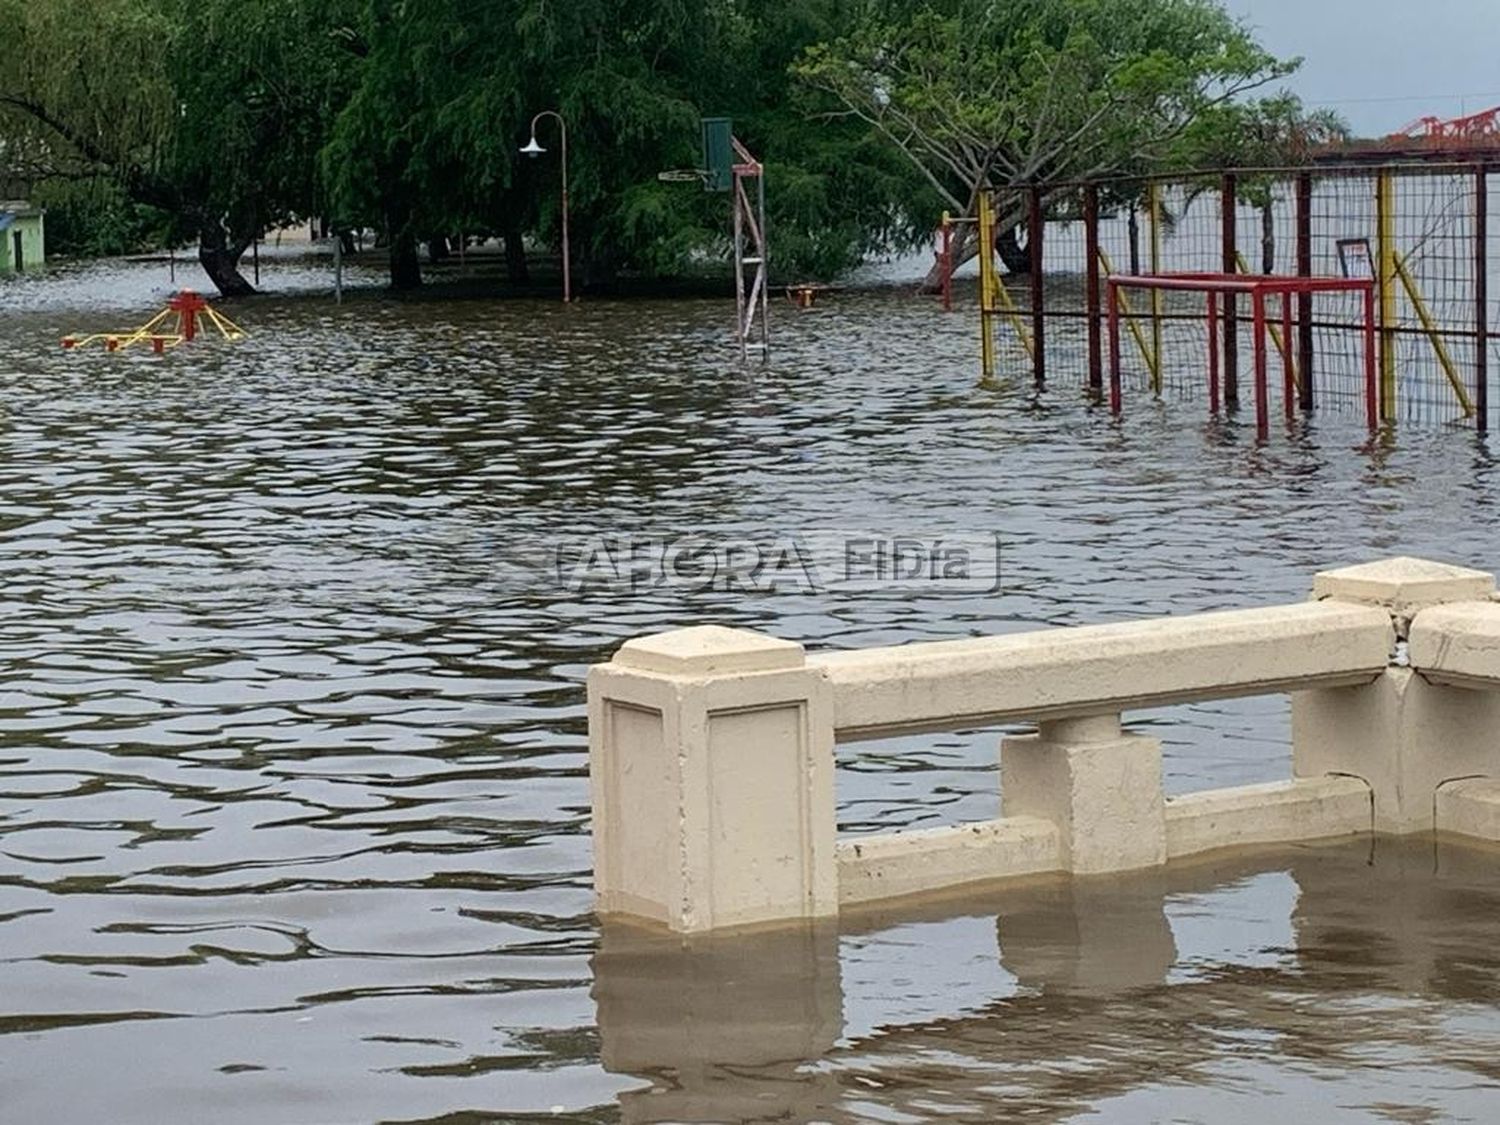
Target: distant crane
pixel 1457 132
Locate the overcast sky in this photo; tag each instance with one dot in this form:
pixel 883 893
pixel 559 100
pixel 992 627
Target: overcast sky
pixel 1382 63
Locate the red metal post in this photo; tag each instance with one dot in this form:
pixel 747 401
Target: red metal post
pixel 1091 286
pixel 187 305
pixel 1036 221
pixel 1481 301
pixel 1372 393
pixel 1111 294
pixel 1213 352
pixel 1305 298
pixel 1262 404
pixel 1288 379
pixel 1230 264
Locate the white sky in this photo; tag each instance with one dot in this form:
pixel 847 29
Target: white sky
pixel 1382 63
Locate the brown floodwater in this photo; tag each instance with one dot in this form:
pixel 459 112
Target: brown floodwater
pixel 293 794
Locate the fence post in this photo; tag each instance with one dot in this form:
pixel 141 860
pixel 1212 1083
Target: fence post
pixel 1385 223
pixel 711 773
pixel 1091 287
pixel 1304 300
pixel 987 287
pixel 1153 198
pixel 1230 264
pixel 1481 299
pixel 1037 223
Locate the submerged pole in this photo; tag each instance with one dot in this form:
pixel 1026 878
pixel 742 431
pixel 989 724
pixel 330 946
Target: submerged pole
pixel 1036 220
pixel 1091 286
pixel 1481 300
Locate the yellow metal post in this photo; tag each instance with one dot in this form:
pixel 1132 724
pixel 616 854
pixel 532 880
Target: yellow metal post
pixel 986 287
pixel 1424 314
pixel 1153 205
pixel 1385 251
pixel 1012 311
pixel 1131 322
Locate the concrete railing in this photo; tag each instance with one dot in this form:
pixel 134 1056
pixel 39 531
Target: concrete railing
pixel 712 749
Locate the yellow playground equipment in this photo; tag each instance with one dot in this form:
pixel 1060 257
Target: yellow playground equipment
pixel 187 306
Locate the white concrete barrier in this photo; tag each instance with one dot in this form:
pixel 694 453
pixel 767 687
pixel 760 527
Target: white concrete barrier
pixel 1063 673
pixel 712 749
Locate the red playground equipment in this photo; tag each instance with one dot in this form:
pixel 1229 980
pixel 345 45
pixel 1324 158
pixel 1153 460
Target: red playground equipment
pixel 1258 287
pixel 187 306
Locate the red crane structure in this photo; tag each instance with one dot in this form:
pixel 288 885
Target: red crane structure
pixel 1477 130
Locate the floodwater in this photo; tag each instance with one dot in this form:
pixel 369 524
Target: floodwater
pixel 293 796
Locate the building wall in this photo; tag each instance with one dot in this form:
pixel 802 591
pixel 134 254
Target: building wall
pixel 32 228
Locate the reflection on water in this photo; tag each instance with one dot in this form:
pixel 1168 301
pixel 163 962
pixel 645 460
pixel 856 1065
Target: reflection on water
pixel 293 805
pixel 1345 982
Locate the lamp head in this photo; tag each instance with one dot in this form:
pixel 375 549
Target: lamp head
pixel 532 149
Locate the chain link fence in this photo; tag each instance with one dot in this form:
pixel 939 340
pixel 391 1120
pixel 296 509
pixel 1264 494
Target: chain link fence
pixel 1420 230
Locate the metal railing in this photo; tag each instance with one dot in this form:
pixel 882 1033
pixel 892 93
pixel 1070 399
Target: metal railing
pixel 1421 232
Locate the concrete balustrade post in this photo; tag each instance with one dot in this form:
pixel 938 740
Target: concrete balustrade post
pixel 1401 734
pixel 1099 786
pixel 711 770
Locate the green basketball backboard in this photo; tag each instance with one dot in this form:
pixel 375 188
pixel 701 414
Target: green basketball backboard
pixel 718 154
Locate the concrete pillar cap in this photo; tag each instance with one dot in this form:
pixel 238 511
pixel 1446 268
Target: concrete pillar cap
pixel 1404 585
pixel 709 650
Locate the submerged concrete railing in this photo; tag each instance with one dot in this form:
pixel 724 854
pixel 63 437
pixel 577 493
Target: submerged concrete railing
pixel 712 749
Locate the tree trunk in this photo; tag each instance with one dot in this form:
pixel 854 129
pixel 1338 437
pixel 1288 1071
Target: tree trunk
pixel 1135 241
pixel 220 259
pixel 1013 256
pixel 517 272
pixel 1267 239
pixel 401 242
pixel 406 267
pixel 437 249
pixel 347 238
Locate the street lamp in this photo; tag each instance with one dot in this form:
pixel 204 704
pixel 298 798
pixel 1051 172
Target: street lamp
pixel 533 150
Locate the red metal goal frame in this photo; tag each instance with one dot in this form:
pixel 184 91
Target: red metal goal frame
pixel 1259 287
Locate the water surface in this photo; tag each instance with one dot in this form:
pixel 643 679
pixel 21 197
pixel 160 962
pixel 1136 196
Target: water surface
pixel 293 796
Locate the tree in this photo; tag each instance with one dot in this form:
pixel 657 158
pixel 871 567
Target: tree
pixel 428 142
pixel 1272 132
pixel 210 110
pixel 980 96
pixel 85 91
pixel 258 84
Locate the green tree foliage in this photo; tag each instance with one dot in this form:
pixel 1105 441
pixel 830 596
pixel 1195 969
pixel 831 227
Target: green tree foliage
pixel 979 95
pixel 259 83
pixel 94 218
pixel 407 115
pixel 210 110
pixel 1274 132
pixel 428 143
pixel 84 89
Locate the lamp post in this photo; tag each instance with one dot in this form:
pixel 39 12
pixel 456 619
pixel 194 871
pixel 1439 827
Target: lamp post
pixel 533 150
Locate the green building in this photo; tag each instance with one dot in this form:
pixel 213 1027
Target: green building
pixel 23 238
